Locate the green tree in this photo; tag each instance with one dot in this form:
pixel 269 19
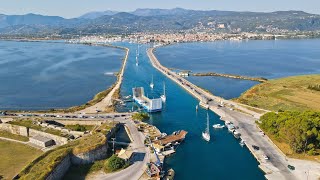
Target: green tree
pixel 79 127
pixel 114 163
pixel 140 116
pixel 301 130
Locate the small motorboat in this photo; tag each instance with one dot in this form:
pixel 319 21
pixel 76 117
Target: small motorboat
pixel 206 133
pixel 242 143
pixel 218 126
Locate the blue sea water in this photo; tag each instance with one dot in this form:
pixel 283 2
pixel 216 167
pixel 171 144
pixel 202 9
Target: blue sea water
pixel 195 158
pixel 269 59
pixel 45 75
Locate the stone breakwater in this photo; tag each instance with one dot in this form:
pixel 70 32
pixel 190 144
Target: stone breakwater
pixel 259 79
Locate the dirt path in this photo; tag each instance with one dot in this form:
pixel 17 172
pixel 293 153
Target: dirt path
pixel 107 101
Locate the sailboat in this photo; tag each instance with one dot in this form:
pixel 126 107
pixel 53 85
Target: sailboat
pixel 151 84
pixel 164 97
pixel 206 133
pixel 137 60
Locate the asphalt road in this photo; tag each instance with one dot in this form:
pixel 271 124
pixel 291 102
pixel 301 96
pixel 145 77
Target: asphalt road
pixel 140 158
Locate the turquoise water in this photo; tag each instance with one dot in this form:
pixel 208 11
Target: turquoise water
pixel 45 75
pixel 195 158
pixel 269 59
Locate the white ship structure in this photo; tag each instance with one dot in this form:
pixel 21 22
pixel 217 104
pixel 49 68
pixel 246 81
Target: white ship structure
pixel 150 105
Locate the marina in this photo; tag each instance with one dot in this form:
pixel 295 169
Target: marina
pixel 184 116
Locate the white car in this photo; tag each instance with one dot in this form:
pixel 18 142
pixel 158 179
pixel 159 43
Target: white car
pixel 266 157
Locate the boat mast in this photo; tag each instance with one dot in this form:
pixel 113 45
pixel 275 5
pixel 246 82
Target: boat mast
pixel 208 129
pixel 164 89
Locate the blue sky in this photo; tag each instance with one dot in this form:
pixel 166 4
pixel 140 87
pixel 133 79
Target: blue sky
pixel 74 8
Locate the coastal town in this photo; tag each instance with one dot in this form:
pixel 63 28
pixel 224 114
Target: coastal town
pixel 171 38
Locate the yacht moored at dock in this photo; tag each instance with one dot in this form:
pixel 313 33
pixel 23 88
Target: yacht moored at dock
pixel 150 105
pixel 242 143
pixel 236 134
pixel 164 97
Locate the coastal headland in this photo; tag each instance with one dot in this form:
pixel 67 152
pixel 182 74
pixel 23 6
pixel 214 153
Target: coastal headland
pixel 285 94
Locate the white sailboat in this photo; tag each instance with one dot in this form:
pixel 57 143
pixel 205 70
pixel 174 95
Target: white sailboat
pixel 206 133
pixel 151 84
pixel 137 60
pixel 164 97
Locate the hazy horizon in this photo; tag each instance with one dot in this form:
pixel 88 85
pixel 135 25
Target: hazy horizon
pixel 62 8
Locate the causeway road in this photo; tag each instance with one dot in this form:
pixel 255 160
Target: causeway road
pixel 276 166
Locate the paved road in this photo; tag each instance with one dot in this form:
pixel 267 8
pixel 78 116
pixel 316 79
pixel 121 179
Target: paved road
pixel 73 116
pixel 140 158
pixel 251 134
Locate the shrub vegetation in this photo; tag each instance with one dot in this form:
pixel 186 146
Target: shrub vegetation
pixel 300 130
pixel 115 163
pixel 140 116
pixel 314 87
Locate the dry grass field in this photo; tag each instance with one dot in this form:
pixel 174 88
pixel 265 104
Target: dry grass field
pixel 289 93
pixel 14 156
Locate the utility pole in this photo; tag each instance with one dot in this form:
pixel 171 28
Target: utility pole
pixel 113 140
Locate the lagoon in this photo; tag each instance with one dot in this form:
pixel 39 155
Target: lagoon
pixel 47 75
pixel 269 59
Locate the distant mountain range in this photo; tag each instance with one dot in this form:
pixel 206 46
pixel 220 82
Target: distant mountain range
pixel 159 20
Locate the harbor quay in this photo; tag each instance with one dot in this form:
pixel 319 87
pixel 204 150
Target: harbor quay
pixel 275 165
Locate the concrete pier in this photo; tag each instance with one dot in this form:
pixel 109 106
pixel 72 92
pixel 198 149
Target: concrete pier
pixel 276 166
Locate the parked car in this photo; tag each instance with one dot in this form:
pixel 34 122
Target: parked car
pixel 266 157
pixel 255 147
pixel 291 167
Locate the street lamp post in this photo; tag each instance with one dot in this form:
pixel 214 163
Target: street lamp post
pixel 113 140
